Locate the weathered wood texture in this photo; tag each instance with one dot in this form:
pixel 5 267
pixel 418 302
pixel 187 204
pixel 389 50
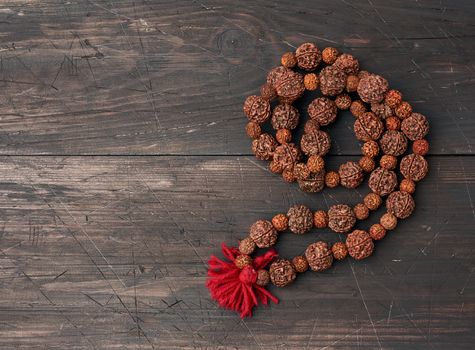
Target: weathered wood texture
pixel 110 253
pixel 169 77
pixel 125 164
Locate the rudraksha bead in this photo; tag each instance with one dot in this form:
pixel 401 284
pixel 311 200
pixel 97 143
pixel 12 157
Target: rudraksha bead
pixel 373 201
pixel 381 110
pixel 329 55
pixel 357 108
pixel 319 256
pixel 382 181
pixel 388 162
pixel 403 110
pixel 300 263
pixel 268 92
pixel 414 167
pixel 283 136
pixel 257 109
pixel 311 81
pixel 263 278
pixel 315 164
pixel 314 183
pixel 367 164
pixel 332 81
pixel 264 146
pixel 280 222
pixel 285 116
pixel 341 218
pixel 282 272
pixel 420 147
pixel 300 219
pixel 400 204
pixel 247 246
pixel 320 219
pixel 316 143
pixel 351 174
pixel 368 127
pixel 253 130
pixel 347 63
pixel 393 123
pixel 290 87
pixel 263 233
pixel 288 60
pixel 287 155
pixel 377 232
pixel 343 101
pixel 361 211
pixel 332 179
pixel 352 83
pixel 288 174
pixel 359 244
pixel 339 251
pixel 275 74
pixel 372 88
pixel 323 110
pixel 388 221
pixel 415 127
pixel 408 186
pixel 308 56
pixel 393 142
pixel 311 126
pixel 392 98
pixel 301 171
pixel 370 148
pixel 243 260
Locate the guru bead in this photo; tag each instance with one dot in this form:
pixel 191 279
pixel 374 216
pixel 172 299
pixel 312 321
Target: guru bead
pixel 372 88
pixel 351 174
pixel 323 110
pixel 400 204
pixel 282 272
pixel 332 81
pixel 382 181
pixel 319 256
pixel 257 109
pixel 264 146
pixel 414 167
pixel 300 219
pixel 341 218
pixel 285 116
pixel 263 233
pixel 368 127
pixel 359 244
pixel 415 127
pixel 315 143
pixel 308 56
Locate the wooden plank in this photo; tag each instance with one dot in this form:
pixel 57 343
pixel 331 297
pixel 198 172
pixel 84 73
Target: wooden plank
pixel 110 252
pixel 161 77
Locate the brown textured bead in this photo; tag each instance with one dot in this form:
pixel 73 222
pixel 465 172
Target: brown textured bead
pixel 414 167
pixel 368 127
pixel 403 110
pixel 351 174
pixel 367 164
pixel 315 164
pixel 377 232
pixel 311 81
pixel 388 221
pixel 408 186
pixel 392 98
pixel 370 148
pixel 300 219
pixel 285 116
pixel 361 211
pixel 357 108
pixel 363 74
pixel 282 272
pixel 243 260
pixel 382 181
pixel 372 88
pixel 393 123
pixel 286 155
pixel 323 110
pixel 257 109
pixel 314 183
pixel 332 179
pixel 347 63
pixel 343 101
pixel 247 246
pixel 288 175
pixel 393 142
pixel 388 162
pixel 268 92
pixel 339 251
pixel 280 222
pixel 283 136
pixel 329 55
pixel 319 256
pixel 290 86
pixel 320 219
pixel 352 82
pixel 400 204
pixel 301 171
pixel 253 130
pixel 420 147
pixel 263 233
pixel 288 60
pixel 275 168
pixel 315 143
pixel 264 146
pixel 308 56
pixel 415 127
pixel 263 278
pixel 300 263
pixel 373 201
pixel 332 81
pixel 275 74
pixel 311 126
pixel 341 218
pixel 359 244
pixel 381 110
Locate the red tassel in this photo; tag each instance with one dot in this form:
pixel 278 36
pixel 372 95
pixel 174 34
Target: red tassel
pixel 234 288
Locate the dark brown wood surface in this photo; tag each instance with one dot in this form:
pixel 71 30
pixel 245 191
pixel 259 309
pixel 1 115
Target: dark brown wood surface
pixel 124 164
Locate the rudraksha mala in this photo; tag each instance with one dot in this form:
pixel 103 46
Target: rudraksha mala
pixel 384 123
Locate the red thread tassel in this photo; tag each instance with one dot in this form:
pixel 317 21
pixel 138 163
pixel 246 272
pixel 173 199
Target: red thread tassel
pixel 234 288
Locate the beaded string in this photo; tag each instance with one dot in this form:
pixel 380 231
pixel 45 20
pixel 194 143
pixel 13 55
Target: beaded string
pixel 384 123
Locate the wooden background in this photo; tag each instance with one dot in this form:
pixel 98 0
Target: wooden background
pixel 124 163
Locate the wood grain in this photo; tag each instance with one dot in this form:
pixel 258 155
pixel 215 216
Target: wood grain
pixel 110 252
pixel 169 77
